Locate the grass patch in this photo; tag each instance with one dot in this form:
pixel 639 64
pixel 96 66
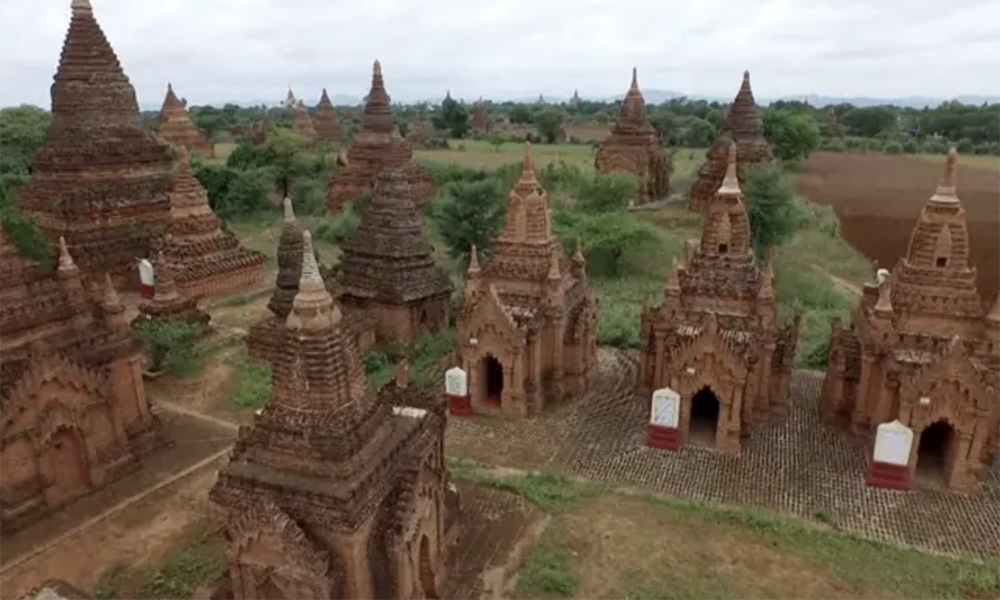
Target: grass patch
pixel 198 561
pixel 427 351
pixel 546 574
pixel 551 492
pixel 254 377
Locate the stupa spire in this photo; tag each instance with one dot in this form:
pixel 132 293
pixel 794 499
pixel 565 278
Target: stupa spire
pixel 946 189
pixel 473 269
pixel 289 211
pixel 65 259
pixel 313 307
pixel 730 182
pixel 81 7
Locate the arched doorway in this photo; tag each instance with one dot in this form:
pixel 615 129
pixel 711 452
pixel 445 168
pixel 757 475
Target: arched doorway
pixel 704 418
pixel 934 452
pixel 67 458
pixel 427 569
pixel 492 381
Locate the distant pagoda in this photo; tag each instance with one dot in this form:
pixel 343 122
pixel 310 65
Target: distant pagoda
pixel 175 126
pixel 325 120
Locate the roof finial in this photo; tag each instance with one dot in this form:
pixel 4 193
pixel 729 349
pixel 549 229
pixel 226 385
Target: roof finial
pixel 65 259
pixel 945 192
pixel 730 183
pixel 310 269
pixel 289 211
pixel 578 253
pixel 80 7
pixel 313 306
pixel 554 274
pixel 529 165
pixel 884 304
pixel 377 69
pixel 746 78
pixel 635 78
pixel 473 262
pixel 111 299
pixel 994 314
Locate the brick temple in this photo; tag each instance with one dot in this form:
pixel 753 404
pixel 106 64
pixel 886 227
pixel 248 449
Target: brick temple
pixel 388 269
pixel 634 148
pixel 833 127
pixel 74 409
pixel 206 258
pixel 264 339
pixel 528 319
pixel 100 180
pixel 332 493
pixel 715 342
pixel 167 303
pixel 176 127
pixel 922 353
pixel 325 121
pixel 744 124
pixel 479 117
pixel 377 145
pixel 303 124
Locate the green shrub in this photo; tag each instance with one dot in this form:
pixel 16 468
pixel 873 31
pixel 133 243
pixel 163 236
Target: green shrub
pixel 892 148
pixel 26 235
pixel 337 229
pixel 169 345
pixel 254 377
pixel 770 206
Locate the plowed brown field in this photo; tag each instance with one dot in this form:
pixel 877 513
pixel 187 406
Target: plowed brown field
pixel 879 197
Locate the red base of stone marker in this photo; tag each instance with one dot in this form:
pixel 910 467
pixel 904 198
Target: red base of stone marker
pixel 146 291
pixel 885 475
pixel 460 406
pixel 664 438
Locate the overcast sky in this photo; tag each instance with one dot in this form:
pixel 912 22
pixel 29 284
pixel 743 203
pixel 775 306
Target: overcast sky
pixel 219 50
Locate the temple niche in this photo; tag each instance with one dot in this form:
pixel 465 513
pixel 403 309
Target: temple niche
pixel 634 148
pixel 100 180
pixel 175 126
pixel 72 402
pixel 325 121
pixel 714 344
pixel 387 268
pixel 744 124
pixel 918 364
pixel 527 322
pixel 377 145
pixel 264 339
pixel 332 493
pixel 206 258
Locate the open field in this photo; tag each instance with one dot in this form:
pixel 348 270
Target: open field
pixel 977 161
pixel 878 199
pixel 604 543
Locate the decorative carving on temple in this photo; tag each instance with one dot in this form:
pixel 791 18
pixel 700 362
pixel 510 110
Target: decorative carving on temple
pixel 922 349
pixel 744 124
pixel 419 131
pixel 333 493
pixel 634 148
pixel 377 145
pixel 100 180
pixel 833 127
pixel 302 124
pixel 479 118
pixel 167 303
pixel 715 340
pixel 388 269
pixel 72 403
pixel 175 126
pixel 325 121
pixel 264 339
pixel 206 258
pixel 527 322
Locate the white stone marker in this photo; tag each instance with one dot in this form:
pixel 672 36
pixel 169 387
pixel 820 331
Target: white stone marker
pixel 893 442
pixel 456 382
pixel 666 408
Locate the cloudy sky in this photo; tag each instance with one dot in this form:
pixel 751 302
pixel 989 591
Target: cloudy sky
pixel 250 50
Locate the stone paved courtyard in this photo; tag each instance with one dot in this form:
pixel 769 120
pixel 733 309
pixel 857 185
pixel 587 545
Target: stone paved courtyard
pixel 800 466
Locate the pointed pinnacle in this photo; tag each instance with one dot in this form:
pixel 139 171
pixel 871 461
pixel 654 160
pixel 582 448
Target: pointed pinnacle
pixel 473 261
pixel 578 253
pixel 635 78
pixel 730 183
pixel 528 165
pixel 81 7
pixel 310 270
pixel 289 211
pixel 65 259
pixel 994 314
pixel 111 299
pixel 377 69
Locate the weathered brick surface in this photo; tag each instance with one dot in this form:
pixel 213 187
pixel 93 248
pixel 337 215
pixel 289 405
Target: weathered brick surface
pixel 800 466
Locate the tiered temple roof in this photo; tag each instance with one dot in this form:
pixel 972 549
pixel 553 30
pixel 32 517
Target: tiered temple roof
pixel 387 261
pixel 303 124
pixel 377 145
pixel 100 180
pixel 205 256
pixel 176 127
pixel 325 121
pixel 634 147
pixel 745 125
pixel 720 297
pixel 922 330
pixel 479 119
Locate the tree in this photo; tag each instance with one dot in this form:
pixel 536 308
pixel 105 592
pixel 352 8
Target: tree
pixel 606 236
pixel 793 135
pixel 454 118
pixel 548 121
pixel 472 213
pixel 521 115
pixel 770 206
pixel 700 133
pixel 606 193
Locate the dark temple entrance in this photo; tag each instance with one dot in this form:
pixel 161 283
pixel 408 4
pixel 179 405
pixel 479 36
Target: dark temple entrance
pixel 704 418
pixel 494 381
pixel 934 453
